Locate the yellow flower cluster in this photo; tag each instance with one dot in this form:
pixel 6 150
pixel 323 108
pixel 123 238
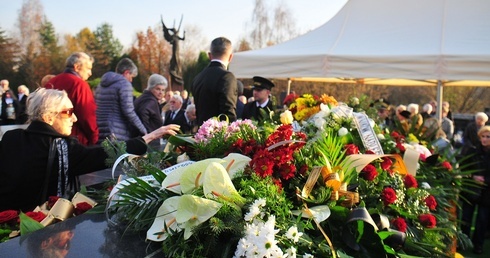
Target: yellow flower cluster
pixel 307 105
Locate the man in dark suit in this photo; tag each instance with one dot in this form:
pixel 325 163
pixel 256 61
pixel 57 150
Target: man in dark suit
pixel 261 108
pixel 215 88
pixel 176 115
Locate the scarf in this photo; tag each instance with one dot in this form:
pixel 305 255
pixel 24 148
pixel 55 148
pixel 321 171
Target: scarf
pixel 64 183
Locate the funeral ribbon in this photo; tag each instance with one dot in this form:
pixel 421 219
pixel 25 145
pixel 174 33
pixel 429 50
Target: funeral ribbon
pixel 378 222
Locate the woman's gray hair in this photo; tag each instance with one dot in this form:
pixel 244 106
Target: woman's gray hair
pixel 44 101
pixel 126 64
pixel 155 80
pixel 26 90
pixel 482 116
pixel 78 58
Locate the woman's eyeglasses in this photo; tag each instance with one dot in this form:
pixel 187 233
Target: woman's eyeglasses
pixel 66 113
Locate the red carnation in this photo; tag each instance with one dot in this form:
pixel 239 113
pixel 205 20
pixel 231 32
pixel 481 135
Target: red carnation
pixel 386 164
pixel 8 215
pixel 427 220
pixel 410 181
pixel 36 215
pixel 388 196
pixel 351 149
pixel 400 224
pixel 82 207
pixel 431 202
pixel 447 165
pixel 369 172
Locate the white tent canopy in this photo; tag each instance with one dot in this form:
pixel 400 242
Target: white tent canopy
pixel 446 41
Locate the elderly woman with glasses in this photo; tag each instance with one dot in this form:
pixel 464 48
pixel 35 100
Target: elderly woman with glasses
pixel 43 160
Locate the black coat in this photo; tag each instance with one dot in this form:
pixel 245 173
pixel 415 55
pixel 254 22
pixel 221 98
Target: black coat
pixel 215 93
pixel 251 111
pixel 24 158
pixel 148 110
pixel 179 119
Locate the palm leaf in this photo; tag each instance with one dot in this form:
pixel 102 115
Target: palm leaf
pixel 139 202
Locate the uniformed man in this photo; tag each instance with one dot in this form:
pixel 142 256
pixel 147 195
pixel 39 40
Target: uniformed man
pixel 261 108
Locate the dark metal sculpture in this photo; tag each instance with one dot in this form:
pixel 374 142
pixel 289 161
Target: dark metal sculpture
pixel 172 36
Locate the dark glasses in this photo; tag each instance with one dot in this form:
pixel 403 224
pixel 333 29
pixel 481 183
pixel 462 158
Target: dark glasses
pixel 67 113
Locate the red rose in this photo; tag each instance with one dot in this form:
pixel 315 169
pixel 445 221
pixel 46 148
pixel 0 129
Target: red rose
pixel 388 196
pixel 400 224
pixel 8 215
pixel 410 181
pixel 400 147
pixel 82 208
pixel 52 200
pixel 431 202
pixel 447 165
pixel 422 157
pixel 351 149
pixel 386 164
pixel 369 172
pixel 36 215
pixel 427 220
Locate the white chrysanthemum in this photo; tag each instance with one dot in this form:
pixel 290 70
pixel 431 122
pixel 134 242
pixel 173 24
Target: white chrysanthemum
pixel 425 185
pixel 308 256
pixel 343 131
pixel 255 209
pixel 293 234
pixel 380 136
pixel 291 252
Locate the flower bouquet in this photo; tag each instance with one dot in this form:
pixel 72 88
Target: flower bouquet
pixel 14 223
pixel 328 185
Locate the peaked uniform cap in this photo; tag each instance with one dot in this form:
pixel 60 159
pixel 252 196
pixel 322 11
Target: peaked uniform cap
pixel 262 83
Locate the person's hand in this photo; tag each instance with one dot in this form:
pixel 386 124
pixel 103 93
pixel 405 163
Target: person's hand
pixel 171 129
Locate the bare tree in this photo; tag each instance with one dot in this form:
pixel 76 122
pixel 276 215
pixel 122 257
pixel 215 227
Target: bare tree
pixel 30 20
pixel 267 32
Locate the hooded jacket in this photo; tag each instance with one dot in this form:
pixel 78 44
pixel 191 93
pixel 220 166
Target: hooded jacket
pixel 115 108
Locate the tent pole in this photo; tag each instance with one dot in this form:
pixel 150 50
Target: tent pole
pixel 440 90
pixel 289 86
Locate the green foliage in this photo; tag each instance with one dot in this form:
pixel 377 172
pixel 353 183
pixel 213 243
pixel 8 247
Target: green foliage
pixel 28 225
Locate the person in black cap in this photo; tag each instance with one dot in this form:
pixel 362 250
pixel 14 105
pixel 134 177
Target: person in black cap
pixel 261 108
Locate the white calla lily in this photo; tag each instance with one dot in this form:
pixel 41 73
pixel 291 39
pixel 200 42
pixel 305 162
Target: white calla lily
pixel 192 176
pixel 165 218
pixel 193 210
pixel 320 212
pixel 235 162
pixel 217 184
